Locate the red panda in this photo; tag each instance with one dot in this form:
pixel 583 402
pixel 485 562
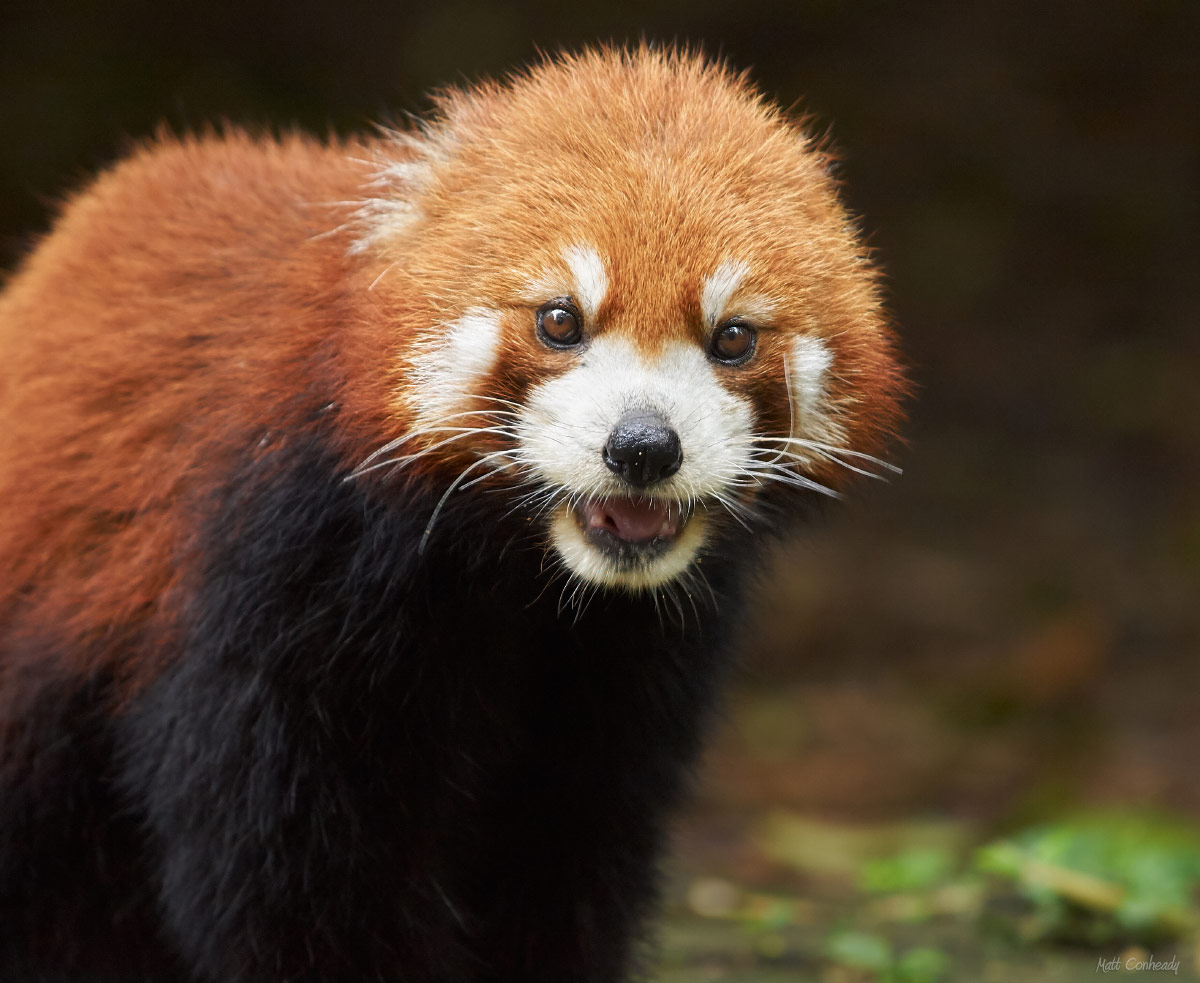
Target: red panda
pixel 377 518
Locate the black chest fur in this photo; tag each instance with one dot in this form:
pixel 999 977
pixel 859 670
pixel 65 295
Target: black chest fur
pixel 369 762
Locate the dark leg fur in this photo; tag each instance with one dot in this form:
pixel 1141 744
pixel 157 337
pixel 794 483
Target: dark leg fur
pixel 74 891
pixel 370 765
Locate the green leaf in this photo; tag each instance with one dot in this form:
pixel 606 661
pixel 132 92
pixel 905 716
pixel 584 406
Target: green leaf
pixel 914 869
pixel 859 950
pixel 922 965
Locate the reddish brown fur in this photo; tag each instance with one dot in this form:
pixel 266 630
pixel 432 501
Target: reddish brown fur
pixel 218 298
pixel 697 169
pixel 102 481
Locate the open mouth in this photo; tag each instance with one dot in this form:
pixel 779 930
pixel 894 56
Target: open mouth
pixel 632 543
pixel 631 530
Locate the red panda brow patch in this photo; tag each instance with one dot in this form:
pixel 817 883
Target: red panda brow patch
pixel 719 288
pixel 590 278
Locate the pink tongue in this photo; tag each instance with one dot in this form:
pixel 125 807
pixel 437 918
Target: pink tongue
pixel 634 522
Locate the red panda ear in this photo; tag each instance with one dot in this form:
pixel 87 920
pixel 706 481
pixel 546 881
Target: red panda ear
pixel 402 164
pixel 406 160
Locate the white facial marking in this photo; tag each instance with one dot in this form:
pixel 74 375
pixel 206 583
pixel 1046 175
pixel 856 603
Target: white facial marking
pixel 591 282
pixel 446 375
pixel 808 367
pixel 721 296
pixel 719 288
pixel 567 422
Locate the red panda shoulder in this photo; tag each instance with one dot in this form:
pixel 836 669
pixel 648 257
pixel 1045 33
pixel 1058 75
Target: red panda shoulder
pixel 184 303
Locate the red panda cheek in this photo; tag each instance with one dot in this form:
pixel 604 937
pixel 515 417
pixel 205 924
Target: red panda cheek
pixel 762 382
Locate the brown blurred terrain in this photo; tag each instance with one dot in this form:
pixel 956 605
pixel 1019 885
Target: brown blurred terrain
pixel 1011 629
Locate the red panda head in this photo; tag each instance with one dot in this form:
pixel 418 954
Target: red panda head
pixel 624 284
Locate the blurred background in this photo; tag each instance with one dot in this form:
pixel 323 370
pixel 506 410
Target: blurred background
pixel 973 686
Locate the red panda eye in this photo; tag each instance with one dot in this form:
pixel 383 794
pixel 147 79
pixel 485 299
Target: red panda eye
pixel 559 324
pixel 733 343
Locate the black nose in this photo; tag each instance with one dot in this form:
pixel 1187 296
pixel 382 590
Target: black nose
pixel 643 448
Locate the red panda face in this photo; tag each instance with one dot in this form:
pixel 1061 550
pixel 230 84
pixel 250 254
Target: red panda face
pixel 644 307
pixel 646 440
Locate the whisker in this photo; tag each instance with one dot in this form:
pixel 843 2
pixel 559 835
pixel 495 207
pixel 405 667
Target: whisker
pixel 733 509
pixel 832 453
pixel 781 473
pixel 422 431
pixel 446 494
pixel 787 384
pixel 459 434
pixel 489 474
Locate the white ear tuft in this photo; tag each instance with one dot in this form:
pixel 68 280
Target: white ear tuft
pixel 403 169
